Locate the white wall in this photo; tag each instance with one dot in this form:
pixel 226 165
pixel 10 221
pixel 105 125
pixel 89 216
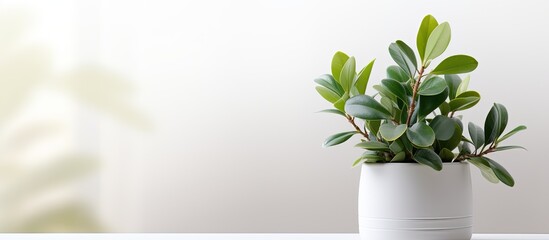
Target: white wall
pixel 236 143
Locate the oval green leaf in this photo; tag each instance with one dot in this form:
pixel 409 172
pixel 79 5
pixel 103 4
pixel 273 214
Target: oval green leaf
pixel 484 168
pixel 432 86
pixel 421 135
pixel 348 74
pixel 327 94
pixel 429 158
pixel 511 133
pixel 443 126
pixel 396 73
pixel 427 26
pixel 438 41
pixel 338 61
pixel 366 107
pixel 338 138
pixel 464 101
pixel 456 64
pixel 373 145
pixel 453 81
pixel 503 175
pixel 329 82
pixel 395 88
pixel 427 104
pixel 391 132
pixel 491 127
pixel 340 104
pixel 404 56
pixel 477 135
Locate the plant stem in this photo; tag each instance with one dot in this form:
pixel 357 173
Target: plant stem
pixel 414 93
pixel 352 121
pixel 466 156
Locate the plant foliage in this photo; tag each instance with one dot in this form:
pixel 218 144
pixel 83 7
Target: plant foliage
pixel 411 116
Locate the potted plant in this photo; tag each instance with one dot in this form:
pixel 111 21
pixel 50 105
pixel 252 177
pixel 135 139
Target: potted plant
pixel 415 181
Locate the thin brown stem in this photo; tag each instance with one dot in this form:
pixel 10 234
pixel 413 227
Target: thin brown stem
pixel 467 156
pixel 357 128
pixel 414 94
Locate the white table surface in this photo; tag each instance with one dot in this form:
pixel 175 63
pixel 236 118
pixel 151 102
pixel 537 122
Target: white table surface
pixel 224 236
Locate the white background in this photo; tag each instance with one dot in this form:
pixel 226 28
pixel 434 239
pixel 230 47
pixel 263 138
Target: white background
pixel 236 142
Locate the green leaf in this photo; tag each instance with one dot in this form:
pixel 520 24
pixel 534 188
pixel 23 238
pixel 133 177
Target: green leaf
pixel 348 74
pixel 373 126
pixel 429 158
pixel 366 107
pixel 338 61
pixel 421 135
pixel 454 141
pixel 511 133
pixel 391 132
pixel 329 82
pixel 373 145
pixel 404 57
pixel 464 101
pixel 399 157
pixel 446 155
pixel 444 108
pixel 363 77
pixel 502 118
pixel 327 94
pixel 384 92
pixel 427 26
pixel 484 168
pixel 395 88
pixel 501 172
pixel 368 157
pixel 503 148
pixel 340 104
pixel 438 41
pixel 453 81
pixel 456 64
pixel 477 135
pixel 491 127
pixel 443 126
pixel 427 104
pixel 464 85
pixel 396 73
pixel 338 138
pixel 334 111
pixel 432 86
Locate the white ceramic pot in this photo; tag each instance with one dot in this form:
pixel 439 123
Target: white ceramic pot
pixel 410 201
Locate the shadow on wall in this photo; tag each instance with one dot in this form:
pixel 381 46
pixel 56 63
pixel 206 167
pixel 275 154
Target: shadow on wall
pixel 42 172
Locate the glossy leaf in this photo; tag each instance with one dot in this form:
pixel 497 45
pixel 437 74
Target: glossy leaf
pixel 455 140
pixel 491 127
pixel 427 26
pixel 432 86
pixel 338 138
pixel 368 157
pixel 484 168
pixel 464 85
pixel 373 145
pixel 429 158
pixel 391 132
pixel 502 118
pixel 511 133
pixel 327 94
pixel 464 101
pixel 477 135
pixel 396 73
pixel 404 57
pixel 366 107
pixel 363 77
pixel 456 64
pixel 444 108
pixel 453 81
pixel 348 74
pixel 397 146
pixel 338 61
pixel 438 41
pixel 421 135
pixel 501 172
pixel 443 126
pixel 334 111
pixel 395 88
pixel 329 82
pixel 427 104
